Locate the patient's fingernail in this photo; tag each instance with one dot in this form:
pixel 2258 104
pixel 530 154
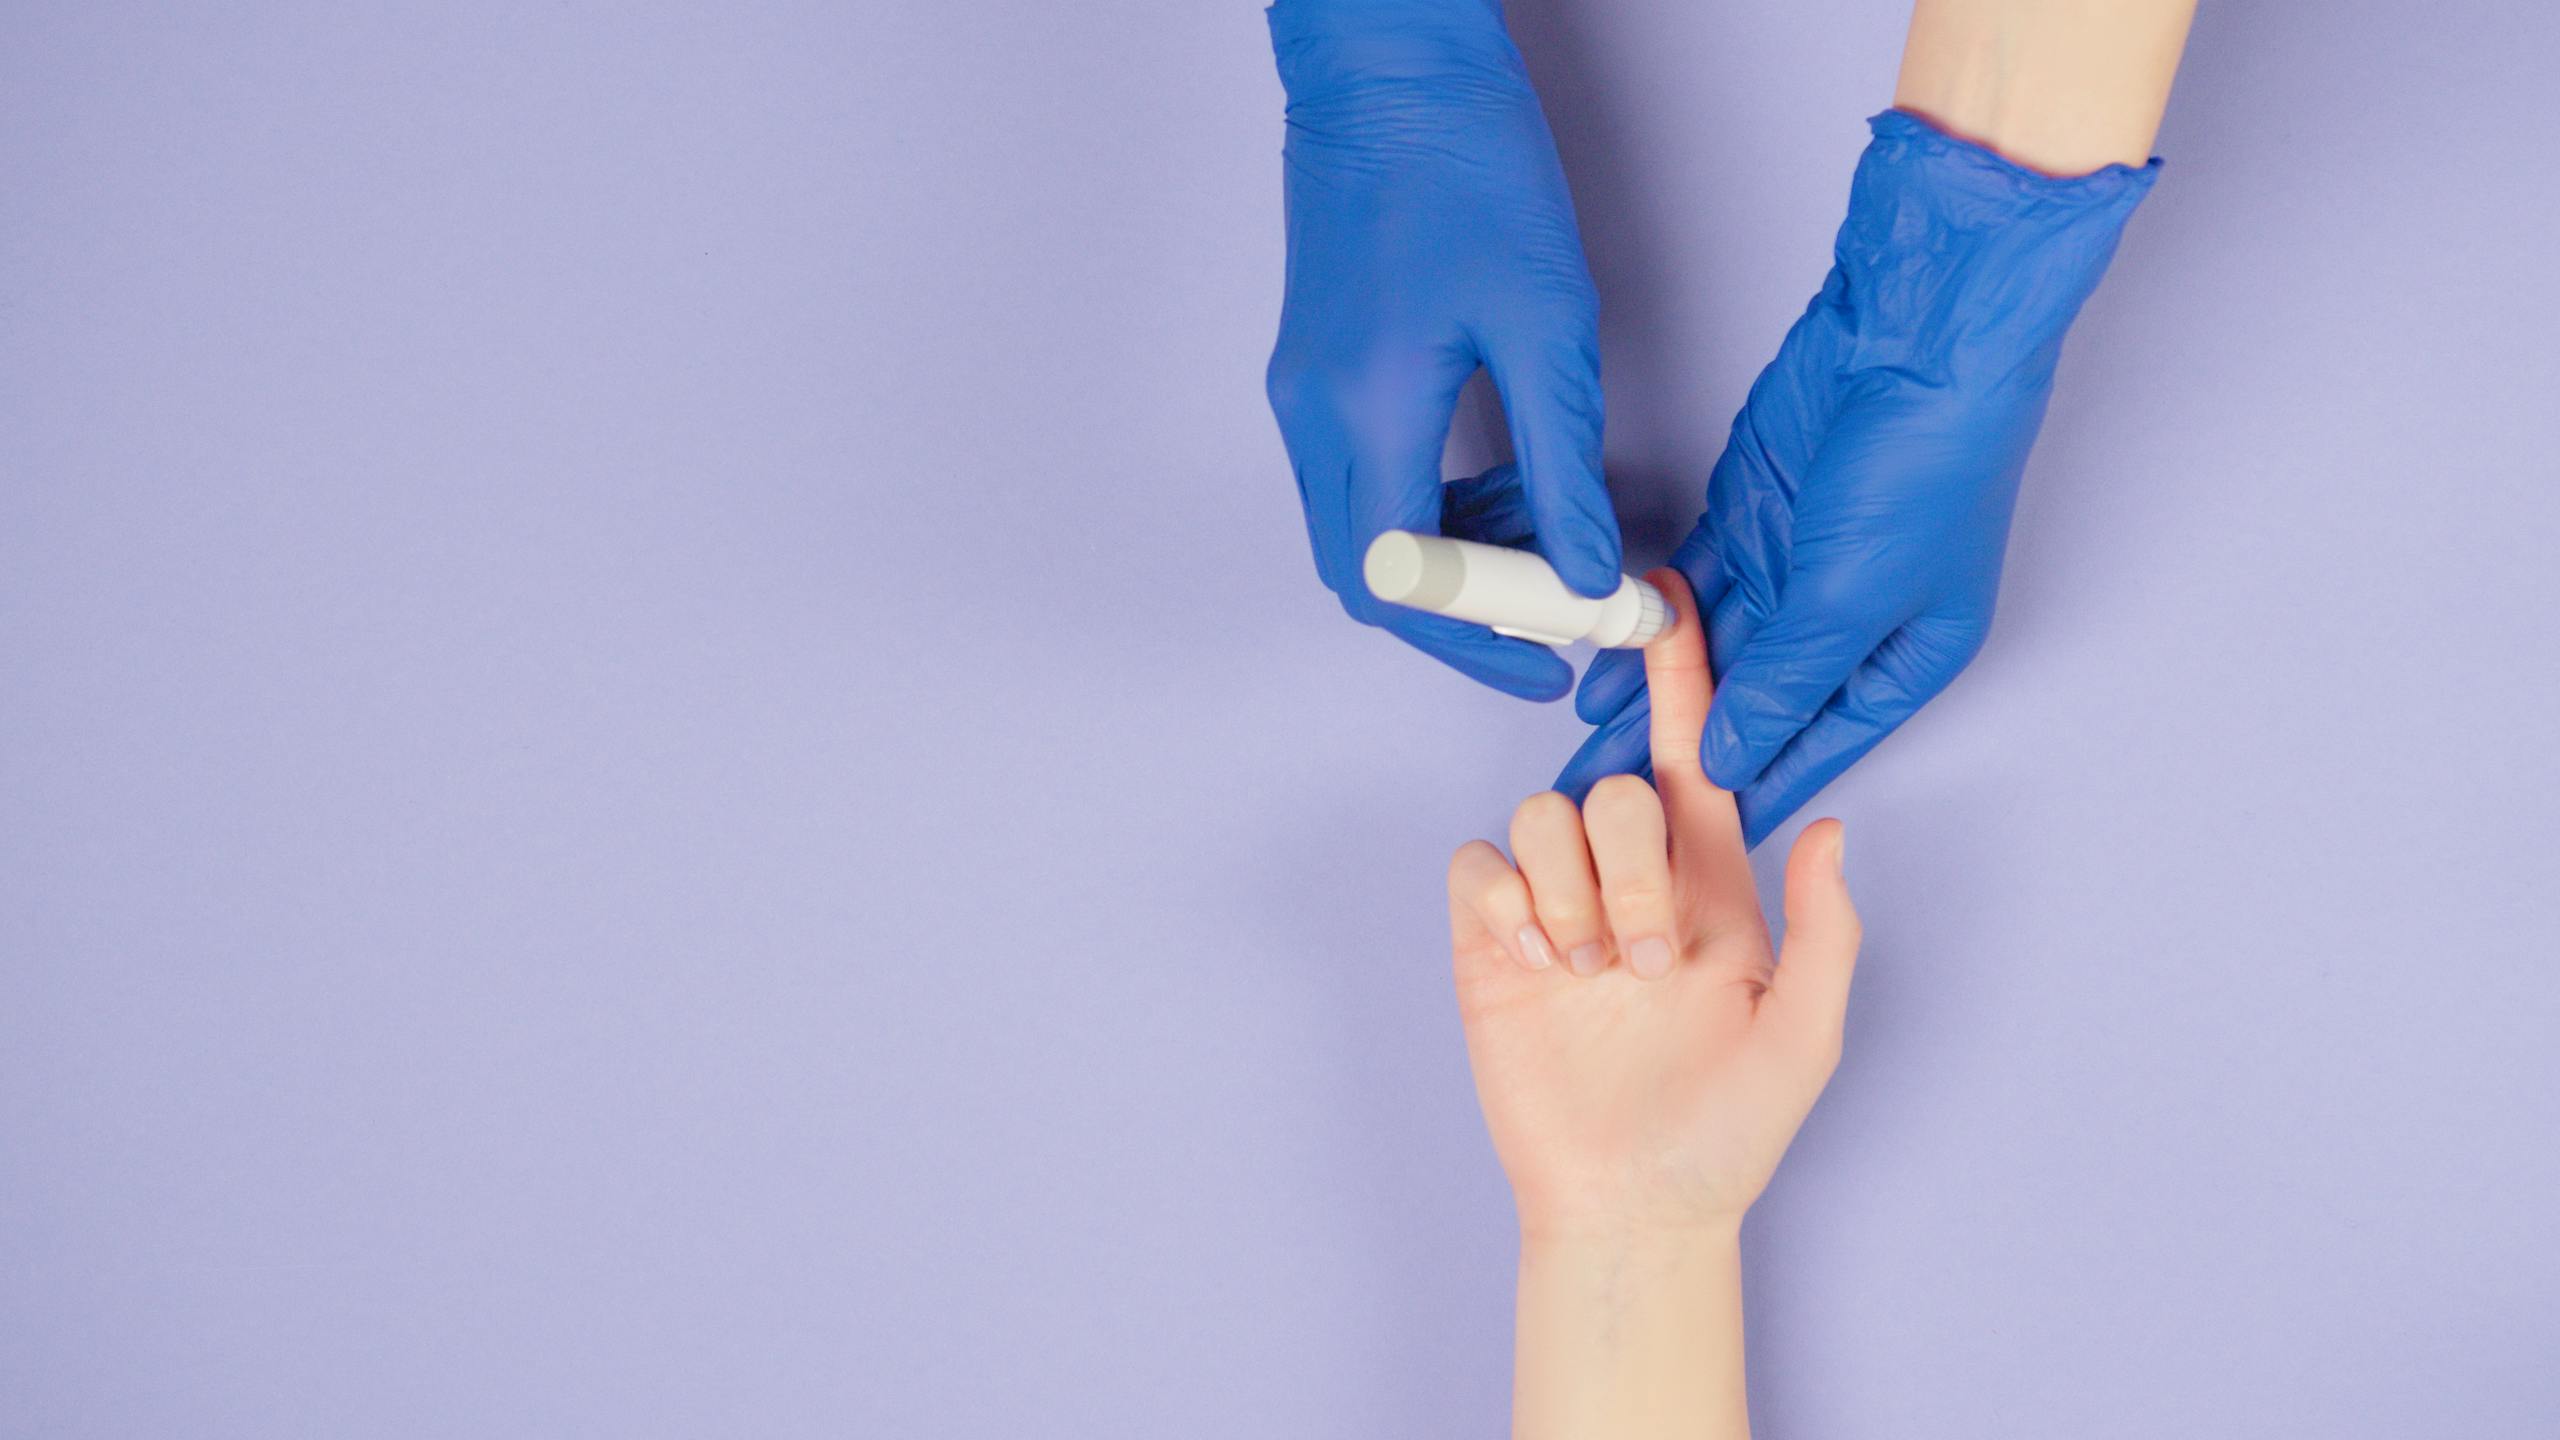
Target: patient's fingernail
pixel 1651 958
pixel 1588 959
pixel 1535 952
pixel 1840 852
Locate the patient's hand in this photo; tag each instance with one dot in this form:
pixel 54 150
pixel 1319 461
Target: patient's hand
pixel 1641 1061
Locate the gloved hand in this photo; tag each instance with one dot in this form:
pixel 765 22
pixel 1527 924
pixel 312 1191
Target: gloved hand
pixel 1430 233
pixel 1850 551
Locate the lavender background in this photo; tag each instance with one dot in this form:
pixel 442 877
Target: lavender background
pixel 669 765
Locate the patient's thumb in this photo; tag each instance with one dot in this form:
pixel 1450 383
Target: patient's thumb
pixel 1809 995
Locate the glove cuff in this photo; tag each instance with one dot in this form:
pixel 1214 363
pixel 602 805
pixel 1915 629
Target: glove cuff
pixel 1328 49
pixel 1946 240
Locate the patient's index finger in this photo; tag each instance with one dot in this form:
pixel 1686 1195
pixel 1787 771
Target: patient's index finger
pixel 1675 675
pixel 1706 832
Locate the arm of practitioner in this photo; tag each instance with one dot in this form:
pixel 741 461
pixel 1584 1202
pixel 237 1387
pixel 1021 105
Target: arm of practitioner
pixel 1849 555
pixel 1643 1061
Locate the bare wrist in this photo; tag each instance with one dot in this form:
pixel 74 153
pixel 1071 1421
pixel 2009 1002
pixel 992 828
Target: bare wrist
pixel 1617 1236
pixel 1622 1270
pixel 1631 1333
pixel 2066 90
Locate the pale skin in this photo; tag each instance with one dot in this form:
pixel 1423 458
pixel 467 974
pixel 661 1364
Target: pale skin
pixel 1640 1108
pixel 2062 86
pixel 1642 1054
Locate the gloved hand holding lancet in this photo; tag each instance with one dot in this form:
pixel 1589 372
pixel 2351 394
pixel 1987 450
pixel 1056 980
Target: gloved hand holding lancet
pixel 1430 235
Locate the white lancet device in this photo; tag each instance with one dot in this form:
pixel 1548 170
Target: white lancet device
pixel 1513 591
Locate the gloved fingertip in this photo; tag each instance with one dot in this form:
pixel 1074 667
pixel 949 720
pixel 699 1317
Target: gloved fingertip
pixel 1621 746
pixel 1783 789
pixel 1522 678
pixel 1529 672
pixel 1514 667
pixel 1612 679
pixel 1770 802
pixel 1541 688
pixel 1600 757
pixel 1758 822
pixel 1575 780
pixel 1728 759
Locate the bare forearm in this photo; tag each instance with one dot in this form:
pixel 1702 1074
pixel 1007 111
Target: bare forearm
pixel 2061 86
pixel 1630 1339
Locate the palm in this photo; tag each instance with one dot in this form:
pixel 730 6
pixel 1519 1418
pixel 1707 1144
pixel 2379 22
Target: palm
pixel 1613 1095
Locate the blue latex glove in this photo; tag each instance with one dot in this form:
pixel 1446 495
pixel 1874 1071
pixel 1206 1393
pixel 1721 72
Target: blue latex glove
pixel 1850 551
pixel 1430 233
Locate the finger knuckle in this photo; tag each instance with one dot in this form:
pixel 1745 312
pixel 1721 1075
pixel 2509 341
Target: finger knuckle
pixel 1645 899
pixel 1291 383
pixel 1968 645
pixel 1569 917
pixel 1323 396
pixel 1362 386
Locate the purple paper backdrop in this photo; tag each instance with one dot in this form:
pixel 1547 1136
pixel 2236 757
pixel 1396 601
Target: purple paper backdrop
pixel 669 765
